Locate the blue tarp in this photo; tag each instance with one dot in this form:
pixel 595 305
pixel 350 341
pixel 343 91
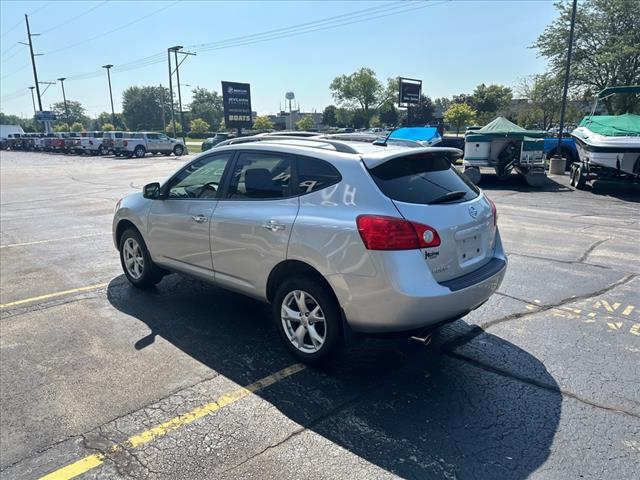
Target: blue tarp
pixel 418 134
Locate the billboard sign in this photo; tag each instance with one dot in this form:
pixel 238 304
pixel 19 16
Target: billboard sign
pixel 236 100
pixel 410 91
pixel 45 116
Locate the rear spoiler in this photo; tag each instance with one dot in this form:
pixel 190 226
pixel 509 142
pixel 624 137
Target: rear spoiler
pixel 374 160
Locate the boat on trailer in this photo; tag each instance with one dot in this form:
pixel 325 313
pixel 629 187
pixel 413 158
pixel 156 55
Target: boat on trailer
pixel 505 147
pixel 608 145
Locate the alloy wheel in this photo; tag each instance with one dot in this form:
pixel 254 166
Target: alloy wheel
pixel 303 321
pixel 133 258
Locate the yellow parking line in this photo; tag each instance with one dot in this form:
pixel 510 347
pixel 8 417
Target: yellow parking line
pixel 38 242
pixel 53 295
pixel 91 461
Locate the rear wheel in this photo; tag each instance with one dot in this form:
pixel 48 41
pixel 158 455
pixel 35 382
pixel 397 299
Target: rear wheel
pixel 581 177
pixel 136 261
pixel 307 316
pixel 473 174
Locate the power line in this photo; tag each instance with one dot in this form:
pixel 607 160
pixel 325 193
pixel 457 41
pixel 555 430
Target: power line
pixel 19 22
pixel 90 39
pixel 358 16
pixel 80 15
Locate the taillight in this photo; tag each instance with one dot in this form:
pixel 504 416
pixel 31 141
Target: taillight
pixel 125 142
pixel 391 233
pixel 494 211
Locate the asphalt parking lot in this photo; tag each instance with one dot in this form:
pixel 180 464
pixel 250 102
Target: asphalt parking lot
pixel 100 380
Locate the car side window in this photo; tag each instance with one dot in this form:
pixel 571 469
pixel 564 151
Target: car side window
pixel 260 176
pixel 314 174
pixel 153 136
pixel 201 179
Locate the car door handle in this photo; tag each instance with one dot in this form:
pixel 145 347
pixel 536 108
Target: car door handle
pixel 199 218
pixel 273 225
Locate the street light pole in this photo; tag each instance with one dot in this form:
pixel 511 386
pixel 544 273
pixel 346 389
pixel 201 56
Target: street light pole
pixel 33 100
pixel 113 113
pixel 64 97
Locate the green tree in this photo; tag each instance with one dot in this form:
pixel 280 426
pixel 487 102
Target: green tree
pixel 105 117
pixel 344 117
pixel 207 105
pixel 422 113
pixel 61 127
pixel 198 125
pixel 108 127
pixel 491 100
pixel 75 111
pixel 77 127
pixel 142 107
pixel 169 128
pixel 361 89
pixel 543 93
pixel 606 48
pixel 263 123
pixel 329 116
pixel 375 121
pixel 305 123
pixel 388 114
pixel 458 115
pixel 442 103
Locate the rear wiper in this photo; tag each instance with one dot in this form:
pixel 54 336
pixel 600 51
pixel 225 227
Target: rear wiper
pixel 448 197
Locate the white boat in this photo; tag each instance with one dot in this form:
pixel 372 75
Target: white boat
pixel 610 142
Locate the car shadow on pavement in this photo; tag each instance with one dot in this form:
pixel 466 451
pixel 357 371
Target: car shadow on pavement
pixel 413 410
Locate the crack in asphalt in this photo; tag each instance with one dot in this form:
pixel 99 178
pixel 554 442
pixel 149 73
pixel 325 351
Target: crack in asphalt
pixel 538 383
pixel 590 249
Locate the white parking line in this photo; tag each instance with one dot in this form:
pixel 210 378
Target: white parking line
pixel 24 244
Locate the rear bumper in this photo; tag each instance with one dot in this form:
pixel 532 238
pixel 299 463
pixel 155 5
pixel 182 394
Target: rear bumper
pixel 381 305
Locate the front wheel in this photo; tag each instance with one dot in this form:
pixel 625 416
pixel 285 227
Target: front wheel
pixel 139 151
pixel 178 150
pixel 136 261
pixel 307 316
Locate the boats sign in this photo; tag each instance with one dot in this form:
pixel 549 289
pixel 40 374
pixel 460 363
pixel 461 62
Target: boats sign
pixel 236 101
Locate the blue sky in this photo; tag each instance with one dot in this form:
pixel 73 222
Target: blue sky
pixel 451 45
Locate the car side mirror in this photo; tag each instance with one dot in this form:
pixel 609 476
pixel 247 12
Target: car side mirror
pixel 151 190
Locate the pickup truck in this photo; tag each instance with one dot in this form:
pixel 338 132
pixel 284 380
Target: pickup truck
pixel 113 142
pixel 91 143
pixel 567 148
pixel 139 143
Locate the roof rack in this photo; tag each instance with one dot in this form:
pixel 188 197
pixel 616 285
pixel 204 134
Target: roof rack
pixel 338 145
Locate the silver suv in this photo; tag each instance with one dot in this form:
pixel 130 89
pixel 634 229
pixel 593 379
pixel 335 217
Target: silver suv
pixel 339 237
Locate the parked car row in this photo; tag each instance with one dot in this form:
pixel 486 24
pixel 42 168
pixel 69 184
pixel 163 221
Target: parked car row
pixel 128 144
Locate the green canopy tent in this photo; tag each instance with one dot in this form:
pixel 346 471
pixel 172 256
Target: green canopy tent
pixel 501 127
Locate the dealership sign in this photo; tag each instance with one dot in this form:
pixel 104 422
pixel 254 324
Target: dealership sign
pixel 410 91
pixel 236 100
pixel 45 116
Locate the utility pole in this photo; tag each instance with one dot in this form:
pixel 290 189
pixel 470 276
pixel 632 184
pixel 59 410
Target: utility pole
pixel 113 113
pixel 566 77
pixel 173 113
pixel 164 121
pixel 33 100
pixel 176 50
pixel 33 60
pixel 64 97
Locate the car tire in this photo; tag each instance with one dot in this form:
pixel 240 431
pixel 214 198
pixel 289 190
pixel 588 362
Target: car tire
pixel 139 151
pixel 581 178
pixel 100 150
pixel 178 150
pixel 136 261
pixel 321 335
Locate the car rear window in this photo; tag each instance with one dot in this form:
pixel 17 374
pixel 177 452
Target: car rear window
pixel 421 178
